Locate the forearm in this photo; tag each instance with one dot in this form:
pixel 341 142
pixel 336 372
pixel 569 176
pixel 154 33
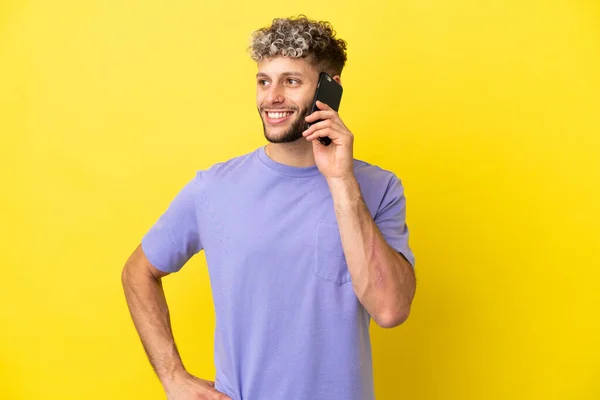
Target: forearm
pixel 149 311
pixel 382 279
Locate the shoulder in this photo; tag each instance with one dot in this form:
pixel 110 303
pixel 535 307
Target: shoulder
pixel 379 187
pixel 227 170
pixel 374 177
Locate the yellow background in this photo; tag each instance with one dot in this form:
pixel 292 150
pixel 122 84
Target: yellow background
pixel 487 110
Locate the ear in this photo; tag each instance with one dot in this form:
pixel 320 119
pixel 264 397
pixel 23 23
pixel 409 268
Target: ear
pixel 337 79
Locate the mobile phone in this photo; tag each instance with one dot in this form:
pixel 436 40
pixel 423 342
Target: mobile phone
pixel 328 92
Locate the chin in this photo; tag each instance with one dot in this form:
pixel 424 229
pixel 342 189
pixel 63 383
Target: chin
pixel 281 138
pixel 282 134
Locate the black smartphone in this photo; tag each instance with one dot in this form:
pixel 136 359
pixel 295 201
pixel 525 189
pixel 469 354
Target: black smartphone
pixel 328 92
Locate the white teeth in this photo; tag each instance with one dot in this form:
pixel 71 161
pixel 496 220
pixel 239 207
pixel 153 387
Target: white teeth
pixel 278 115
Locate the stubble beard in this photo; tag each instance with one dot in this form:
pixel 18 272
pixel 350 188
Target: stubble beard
pixel 293 133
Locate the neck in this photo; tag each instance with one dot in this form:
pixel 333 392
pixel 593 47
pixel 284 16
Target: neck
pixel 296 154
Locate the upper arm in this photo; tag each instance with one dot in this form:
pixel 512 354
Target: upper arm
pixel 175 236
pixel 391 220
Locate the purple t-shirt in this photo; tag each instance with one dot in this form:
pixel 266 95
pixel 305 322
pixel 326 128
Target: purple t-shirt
pixel 288 323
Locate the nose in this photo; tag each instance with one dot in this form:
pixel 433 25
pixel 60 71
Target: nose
pixel 275 95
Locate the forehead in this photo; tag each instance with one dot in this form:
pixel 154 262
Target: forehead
pixel 281 65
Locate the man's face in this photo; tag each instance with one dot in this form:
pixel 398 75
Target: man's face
pixel 285 88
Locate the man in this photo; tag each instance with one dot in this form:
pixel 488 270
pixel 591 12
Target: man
pixel 304 245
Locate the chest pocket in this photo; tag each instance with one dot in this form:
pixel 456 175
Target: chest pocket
pixel 330 262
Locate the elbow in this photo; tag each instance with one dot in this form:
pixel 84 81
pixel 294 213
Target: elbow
pixel 125 279
pixel 391 318
pixel 126 274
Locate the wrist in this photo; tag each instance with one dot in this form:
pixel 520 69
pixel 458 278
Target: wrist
pixel 173 377
pixel 345 192
pixel 342 180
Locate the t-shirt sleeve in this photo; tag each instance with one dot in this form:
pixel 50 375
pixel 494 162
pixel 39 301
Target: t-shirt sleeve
pixel 391 219
pixel 174 238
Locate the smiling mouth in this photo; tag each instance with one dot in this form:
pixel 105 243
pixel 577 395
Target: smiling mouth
pixel 278 117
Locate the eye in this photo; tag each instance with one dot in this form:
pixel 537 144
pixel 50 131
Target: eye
pixel 293 81
pixel 262 82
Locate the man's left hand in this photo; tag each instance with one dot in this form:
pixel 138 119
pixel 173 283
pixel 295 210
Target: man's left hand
pixel 335 161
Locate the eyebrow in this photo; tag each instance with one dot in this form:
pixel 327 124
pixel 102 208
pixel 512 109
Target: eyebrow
pixel 288 73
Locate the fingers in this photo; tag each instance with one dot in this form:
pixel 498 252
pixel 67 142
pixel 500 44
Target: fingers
pixel 323 106
pixel 193 387
pixel 328 123
pixel 220 396
pixel 328 128
pixel 317 115
pixel 331 133
pixel 324 113
pixel 214 395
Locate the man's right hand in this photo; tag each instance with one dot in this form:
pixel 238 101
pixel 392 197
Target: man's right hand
pixel 189 387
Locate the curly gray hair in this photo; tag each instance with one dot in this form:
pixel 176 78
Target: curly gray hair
pixel 300 37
